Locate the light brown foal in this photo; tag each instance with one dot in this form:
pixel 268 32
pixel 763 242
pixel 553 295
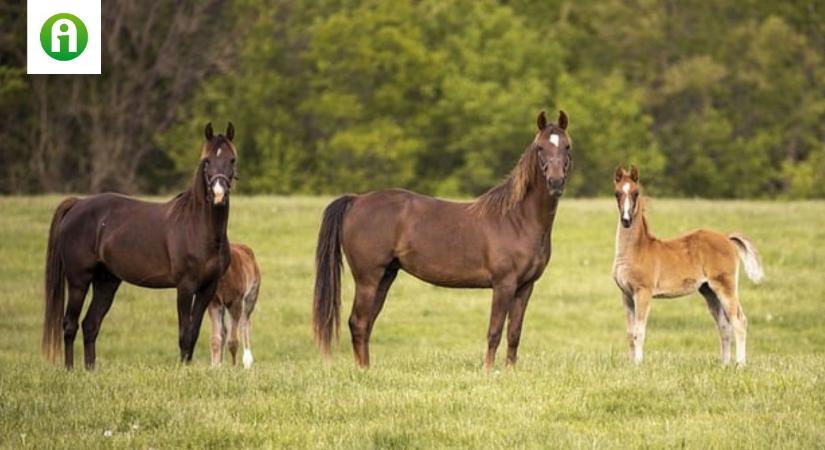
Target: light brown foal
pixel 237 291
pixel 646 267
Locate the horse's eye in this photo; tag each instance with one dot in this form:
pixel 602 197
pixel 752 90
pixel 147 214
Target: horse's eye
pixel 232 160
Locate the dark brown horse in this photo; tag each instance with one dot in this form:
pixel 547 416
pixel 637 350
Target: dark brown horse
pixel 499 241
pixel 108 238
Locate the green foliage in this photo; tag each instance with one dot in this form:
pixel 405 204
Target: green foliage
pixel 713 99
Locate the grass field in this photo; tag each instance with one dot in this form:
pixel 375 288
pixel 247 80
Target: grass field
pixel 573 386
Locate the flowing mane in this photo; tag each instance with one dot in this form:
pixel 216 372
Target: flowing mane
pixel 510 191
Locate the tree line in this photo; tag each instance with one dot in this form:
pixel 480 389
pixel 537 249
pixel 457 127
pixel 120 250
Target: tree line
pixel 712 99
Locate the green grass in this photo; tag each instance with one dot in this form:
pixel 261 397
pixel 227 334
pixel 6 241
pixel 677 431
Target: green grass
pixel 573 386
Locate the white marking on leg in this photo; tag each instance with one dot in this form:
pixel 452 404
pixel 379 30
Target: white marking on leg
pixel 554 139
pixel 247 358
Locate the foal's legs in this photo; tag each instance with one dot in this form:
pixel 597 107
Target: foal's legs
pixel 104 286
pixel 78 287
pixel 369 299
pixel 718 313
pixel 630 313
pixel 725 288
pixel 234 329
pixel 503 294
pixel 641 309
pixel 516 316
pixel 245 327
pixel 216 313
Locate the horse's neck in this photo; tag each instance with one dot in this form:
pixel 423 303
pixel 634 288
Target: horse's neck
pixel 538 207
pixel 630 241
pixel 196 206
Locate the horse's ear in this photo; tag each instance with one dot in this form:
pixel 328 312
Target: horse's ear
pixel 230 131
pixel 541 121
pixel 562 120
pixel 618 174
pixel 208 132
pixel 634 173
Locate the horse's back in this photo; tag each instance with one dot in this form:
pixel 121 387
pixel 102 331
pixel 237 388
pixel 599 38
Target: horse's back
pixel 114 230
pixel 433 239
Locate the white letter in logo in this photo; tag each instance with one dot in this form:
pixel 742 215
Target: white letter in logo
pixel 64 27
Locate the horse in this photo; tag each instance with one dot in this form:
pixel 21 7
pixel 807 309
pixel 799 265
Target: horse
pixel 646 267
pixel 238 292
pixel 105 239
pixel 499 241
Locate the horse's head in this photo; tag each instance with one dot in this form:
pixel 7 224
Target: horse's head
pixel 218 161
pixel 553 145
pixel 626 187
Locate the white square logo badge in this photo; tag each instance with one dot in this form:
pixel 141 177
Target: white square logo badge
pixel 63 37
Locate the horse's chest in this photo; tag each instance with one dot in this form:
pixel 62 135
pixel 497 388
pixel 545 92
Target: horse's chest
pixel 623 276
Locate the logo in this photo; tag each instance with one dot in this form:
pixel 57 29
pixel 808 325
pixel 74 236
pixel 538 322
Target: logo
pixel 64 37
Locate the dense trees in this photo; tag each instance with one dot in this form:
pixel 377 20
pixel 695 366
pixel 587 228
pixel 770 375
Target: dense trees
pixel 718 99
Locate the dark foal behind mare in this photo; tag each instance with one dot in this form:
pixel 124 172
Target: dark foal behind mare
pixel 108 238
pixel 499 241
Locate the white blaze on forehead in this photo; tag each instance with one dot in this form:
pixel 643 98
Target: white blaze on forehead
pixel 219 151
pixel 554 139
pixel 217 190
pixel 626 203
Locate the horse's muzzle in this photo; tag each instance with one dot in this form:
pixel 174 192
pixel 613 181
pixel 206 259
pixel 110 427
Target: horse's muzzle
pixel 626 222
pixel 219 192
pixel 555 186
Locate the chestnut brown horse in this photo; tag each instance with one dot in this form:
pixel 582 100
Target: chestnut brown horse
pixel 108 238
pixel 646 267
pixel 237 292
pixel 499 241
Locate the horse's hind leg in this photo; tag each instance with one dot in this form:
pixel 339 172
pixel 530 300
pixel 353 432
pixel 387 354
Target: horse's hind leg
pixel 724 286
pixel 78 287
pixel 370 292
pixel 104 286
pixel 248 305
pixel 718 313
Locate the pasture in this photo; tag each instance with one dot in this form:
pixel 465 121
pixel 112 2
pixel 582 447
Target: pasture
pixel 573 386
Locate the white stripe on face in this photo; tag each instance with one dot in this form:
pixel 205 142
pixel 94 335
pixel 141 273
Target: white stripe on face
pixel 554 139
pixel 626 205
pixel 219 151
pixel 218 191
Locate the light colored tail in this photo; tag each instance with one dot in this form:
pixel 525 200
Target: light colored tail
pixel 750 257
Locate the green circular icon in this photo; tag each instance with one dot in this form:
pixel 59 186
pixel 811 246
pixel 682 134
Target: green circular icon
pixel 64 37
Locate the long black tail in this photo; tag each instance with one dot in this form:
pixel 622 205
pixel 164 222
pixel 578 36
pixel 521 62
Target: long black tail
pixel 328 262
pixel 55 286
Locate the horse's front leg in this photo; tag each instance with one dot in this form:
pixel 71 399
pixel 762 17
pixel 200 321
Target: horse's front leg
pixel 642 299
pixel 516 315
pixel 203 297
pixel 502 298
pixel 630 315
pixel 185 299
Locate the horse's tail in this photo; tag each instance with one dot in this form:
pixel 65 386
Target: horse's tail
pixel 328 261
pixel 749 256
pixel 55 282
